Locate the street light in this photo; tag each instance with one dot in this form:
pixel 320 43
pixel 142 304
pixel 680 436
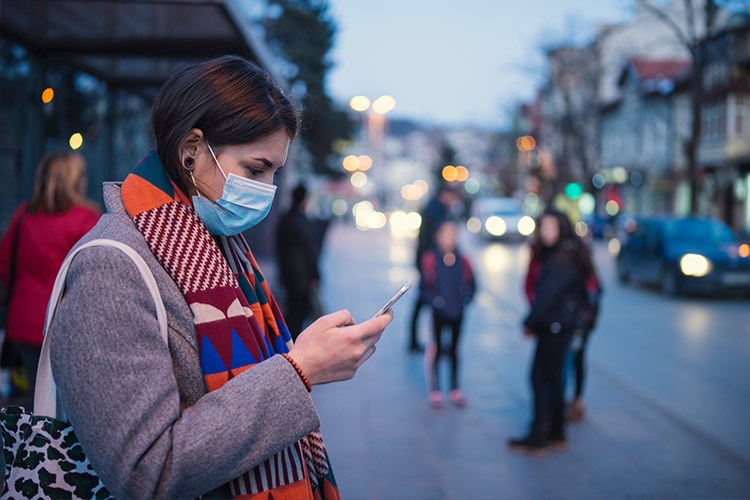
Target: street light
pixel 359 103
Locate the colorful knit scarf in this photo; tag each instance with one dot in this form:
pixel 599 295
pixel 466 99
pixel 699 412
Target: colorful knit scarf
pixel 237 320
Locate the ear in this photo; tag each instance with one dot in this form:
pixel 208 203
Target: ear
pixel 190 143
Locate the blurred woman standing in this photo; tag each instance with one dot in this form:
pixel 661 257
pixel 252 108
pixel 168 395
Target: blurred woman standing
pixel 40 235
pixel 556 289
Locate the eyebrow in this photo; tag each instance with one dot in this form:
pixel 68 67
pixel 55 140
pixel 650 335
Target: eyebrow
pixel 265 161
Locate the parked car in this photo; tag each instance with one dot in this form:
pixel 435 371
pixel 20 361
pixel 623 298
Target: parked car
pixel 684 255
pixel 500 217
pixel 601 227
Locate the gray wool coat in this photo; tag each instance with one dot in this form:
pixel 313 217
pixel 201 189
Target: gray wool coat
pixel 139 408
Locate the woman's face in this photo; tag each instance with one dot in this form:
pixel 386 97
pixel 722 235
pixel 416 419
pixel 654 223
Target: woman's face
pixel 258 161
pixel 549 230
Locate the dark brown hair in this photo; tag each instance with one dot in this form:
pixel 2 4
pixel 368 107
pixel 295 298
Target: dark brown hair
pixel 569 242
pixel 230 99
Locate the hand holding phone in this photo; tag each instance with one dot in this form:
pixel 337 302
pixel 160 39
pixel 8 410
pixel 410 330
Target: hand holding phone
pixel 401 291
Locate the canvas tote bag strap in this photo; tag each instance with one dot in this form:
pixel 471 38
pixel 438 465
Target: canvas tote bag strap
pixel 45 392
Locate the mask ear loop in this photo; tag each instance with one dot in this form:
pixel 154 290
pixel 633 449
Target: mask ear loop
pixel 210 150
pixel 189 166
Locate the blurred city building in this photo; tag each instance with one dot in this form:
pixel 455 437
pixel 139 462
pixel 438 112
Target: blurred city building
pixel 614 115
pixel 638 131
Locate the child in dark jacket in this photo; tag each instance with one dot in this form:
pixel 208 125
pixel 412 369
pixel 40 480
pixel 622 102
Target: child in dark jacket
pixel 448 286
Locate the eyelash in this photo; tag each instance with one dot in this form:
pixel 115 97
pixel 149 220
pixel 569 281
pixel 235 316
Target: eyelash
pixel 254 171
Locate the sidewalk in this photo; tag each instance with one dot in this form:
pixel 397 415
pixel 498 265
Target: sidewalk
pixel 385 443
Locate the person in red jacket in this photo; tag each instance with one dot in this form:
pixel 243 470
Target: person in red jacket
pixel 40 235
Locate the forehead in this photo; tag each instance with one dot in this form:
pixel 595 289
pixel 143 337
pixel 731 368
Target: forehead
pixel 273 147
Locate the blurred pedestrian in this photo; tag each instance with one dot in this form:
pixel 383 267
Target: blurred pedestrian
pixel 585 325
pixel 585 322
pixel 556 289
pixel 448 287
pixel 41 233
pixel 225 410
pixel 296 252
pixel 435 212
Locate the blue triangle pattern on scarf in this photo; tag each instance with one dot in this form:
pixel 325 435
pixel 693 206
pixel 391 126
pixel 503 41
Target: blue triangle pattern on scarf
pixel 269 348
pixel 280 345
pixel 241 356
pixel 210 360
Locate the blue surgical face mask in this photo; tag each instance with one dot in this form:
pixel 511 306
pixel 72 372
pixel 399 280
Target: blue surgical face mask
pixel 243 204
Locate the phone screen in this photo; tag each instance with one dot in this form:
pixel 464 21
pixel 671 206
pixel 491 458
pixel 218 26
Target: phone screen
pixel 401 291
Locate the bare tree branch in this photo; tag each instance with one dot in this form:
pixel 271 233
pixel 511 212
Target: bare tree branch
pixel 690 19
pixel 669 22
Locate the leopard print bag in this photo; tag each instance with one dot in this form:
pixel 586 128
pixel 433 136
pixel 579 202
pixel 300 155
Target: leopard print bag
pixel 43 459
pixel 41 456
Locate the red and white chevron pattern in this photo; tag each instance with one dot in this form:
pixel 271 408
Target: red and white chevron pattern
pixel 285 467
pixel 184 247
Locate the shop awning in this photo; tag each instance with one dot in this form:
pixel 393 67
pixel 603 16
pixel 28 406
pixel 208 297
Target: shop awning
pixel 132 43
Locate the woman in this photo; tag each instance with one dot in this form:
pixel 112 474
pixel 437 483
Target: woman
pixel 40 235
pixel 556 288
pixel 225 410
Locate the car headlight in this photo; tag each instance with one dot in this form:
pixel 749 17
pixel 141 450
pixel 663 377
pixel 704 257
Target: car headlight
pixel 495 225
pixel 526 225
pixel 692 264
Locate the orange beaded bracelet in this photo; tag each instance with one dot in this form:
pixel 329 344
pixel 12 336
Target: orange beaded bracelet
pixel 301 374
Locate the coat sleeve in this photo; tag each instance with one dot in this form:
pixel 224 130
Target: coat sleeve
pixel 117 386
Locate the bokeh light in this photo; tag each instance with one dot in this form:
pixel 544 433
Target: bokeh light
pixel 586 204
pixel 495 225
pixel 612 208
pixel 449 173
pixel 526 143
pixel 462 173
pixel 598 181
pixel 351 163
pixel 472 186
pixel 76 141
pixel 47 95
pixel 359 103
pixel 383 104
pixel 474 225
pixel 526 225
pixel 365 162
pixel 614 246
pixel 358 179
pixel 620 175
pixel 339 207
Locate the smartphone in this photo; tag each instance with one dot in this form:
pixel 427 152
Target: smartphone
pixel 401 291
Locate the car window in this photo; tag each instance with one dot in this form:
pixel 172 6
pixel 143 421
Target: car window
pixel 701 230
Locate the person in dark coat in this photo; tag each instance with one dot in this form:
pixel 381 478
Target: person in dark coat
pixel 298 261
pixel 556 299
pixel 435 212
pixel 448 287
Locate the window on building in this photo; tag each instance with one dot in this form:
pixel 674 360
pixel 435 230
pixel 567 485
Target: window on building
pixel 742 115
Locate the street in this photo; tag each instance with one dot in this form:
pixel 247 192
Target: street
pixel 668 394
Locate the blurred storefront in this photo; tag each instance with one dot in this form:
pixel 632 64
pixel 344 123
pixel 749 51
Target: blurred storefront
pixel 86 67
